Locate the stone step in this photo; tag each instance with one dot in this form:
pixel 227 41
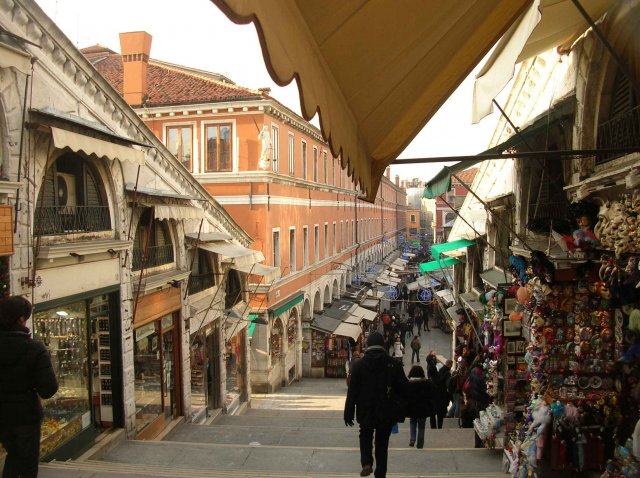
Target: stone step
pixel 294 433
pixel 96 469
pixel 173 456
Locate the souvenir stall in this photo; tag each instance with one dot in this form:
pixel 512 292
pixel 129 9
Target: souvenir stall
pixel 332 343
pixel 580 325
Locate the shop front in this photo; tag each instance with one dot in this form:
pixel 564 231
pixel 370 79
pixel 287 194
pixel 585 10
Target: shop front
pixel 156 356
pixel 235 364
pixel 83 336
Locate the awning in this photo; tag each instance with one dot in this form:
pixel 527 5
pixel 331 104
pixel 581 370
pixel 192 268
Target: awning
pixel 438 249
pixel 441 182
pixel 324 323
pixel 177 213
pixel 424 282
pixel 102 149
pixel 446 295
pixel 383 280
pixel 286 304
pixel 545 25
pixel 436 265
pixel 452 312
pixel 269 273
pixel 470 299
pixel 239 255
pixel 413 57
pixel 370 303
pixel 252 324
pixel 348 330
pixel 352 319
pixel 495 277
pixel 13 57
pixel 159 193
pixel 209 236
pixel 364 314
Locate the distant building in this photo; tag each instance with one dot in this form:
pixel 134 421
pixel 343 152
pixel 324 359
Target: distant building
pixel 445 215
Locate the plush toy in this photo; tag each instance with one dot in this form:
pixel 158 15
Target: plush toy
pixel 519 268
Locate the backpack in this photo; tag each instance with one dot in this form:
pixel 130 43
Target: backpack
pixel 392 406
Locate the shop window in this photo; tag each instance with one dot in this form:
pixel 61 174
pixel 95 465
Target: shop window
pixel 198 357
pixel 180 144
pixel 202 276
pixel 152 245
pixel 71 199
pixel 218 148
pixel 292 330
pixel 77 336
pixel 155 371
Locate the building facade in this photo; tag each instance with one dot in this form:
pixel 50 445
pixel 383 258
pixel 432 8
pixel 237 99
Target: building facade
pixel 99 220
pixel 274 174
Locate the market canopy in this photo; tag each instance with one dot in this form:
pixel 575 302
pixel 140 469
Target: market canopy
pixel 438 249
pixel 375 71
pixel 441 182
pixel 435 265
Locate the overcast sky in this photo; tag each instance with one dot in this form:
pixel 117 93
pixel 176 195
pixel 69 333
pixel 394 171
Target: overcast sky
pixel 195 33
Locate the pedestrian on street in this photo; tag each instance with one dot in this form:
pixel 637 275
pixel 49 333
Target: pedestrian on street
pixel 420 405
pixel 418 318
pixel 439 394
pixel 425 315
pixel 367 401
pixel 398 350
pixel 415 349
pixel 26 374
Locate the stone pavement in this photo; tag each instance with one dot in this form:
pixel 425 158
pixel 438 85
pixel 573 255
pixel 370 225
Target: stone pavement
pixel 297 432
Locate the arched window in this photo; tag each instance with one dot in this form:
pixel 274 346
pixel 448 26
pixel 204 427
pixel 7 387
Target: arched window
pixel 71 199
pixel 152 245
pixel 202 276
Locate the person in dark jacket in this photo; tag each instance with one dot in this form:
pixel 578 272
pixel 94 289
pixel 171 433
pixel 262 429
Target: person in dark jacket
pixel 370 377
pixel 420 407
pixel 26 374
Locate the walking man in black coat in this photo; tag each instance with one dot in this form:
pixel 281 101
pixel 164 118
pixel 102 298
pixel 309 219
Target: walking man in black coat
pixel 371 378
pixel 26 374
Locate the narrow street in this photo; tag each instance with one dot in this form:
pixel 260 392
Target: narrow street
pixel 298 431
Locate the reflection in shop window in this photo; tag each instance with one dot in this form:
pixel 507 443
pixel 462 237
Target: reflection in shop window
pixel 148 386
pixel 198 370
pixel 234 365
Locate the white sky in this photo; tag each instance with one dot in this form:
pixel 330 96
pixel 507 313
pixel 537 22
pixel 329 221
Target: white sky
pixel 195 33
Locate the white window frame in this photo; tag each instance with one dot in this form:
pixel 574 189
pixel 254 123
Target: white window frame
pixel 315 164
pixel 292 250
pixel 335 230
pixel 325 167
pixel 316 243
pixel 234 147
pixel 305 246
pixel 275 148
pixel 303 153
pixel 326 240
pixel 276 251
pixel 291 152
pixel 195 157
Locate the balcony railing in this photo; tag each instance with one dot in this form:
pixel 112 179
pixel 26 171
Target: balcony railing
pixel 200 282
pixel 53 220
pixel 623 131
pixel 156 256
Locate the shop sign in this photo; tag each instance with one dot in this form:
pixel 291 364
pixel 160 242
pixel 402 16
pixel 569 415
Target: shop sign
pixel 425 295
pixel 392 293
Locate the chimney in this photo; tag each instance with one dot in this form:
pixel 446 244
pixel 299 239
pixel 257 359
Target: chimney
pixel 135 48
pixel 397 180
pixel 387 173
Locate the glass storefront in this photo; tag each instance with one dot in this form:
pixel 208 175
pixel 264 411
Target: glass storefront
pixel 154 367
pixel 198 375
pixel 235 373
pixel 77 336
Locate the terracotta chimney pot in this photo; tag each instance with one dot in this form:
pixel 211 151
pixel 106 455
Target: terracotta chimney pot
pixel 135 48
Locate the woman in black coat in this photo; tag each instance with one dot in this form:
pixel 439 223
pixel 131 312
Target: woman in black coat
pixel 420 407
pixel 26 374
pixel 440 397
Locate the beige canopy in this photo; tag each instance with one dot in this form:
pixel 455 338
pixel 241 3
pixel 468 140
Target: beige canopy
pixel 377 70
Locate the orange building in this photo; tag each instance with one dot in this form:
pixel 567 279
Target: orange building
pixel 276 176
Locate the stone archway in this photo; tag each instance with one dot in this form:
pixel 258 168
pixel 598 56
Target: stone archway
pixel 335 289
pixel 327 295
pixel 317 302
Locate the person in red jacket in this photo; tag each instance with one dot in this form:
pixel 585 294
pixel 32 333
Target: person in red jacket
pixel 26 374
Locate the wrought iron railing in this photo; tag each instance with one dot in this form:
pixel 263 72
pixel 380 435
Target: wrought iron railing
pixel 622 131
pixel 156 256
pixel 200 282
pixel 52 220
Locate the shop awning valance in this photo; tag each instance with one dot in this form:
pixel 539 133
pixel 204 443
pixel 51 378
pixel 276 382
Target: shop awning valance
pixel 268 272
pixel 93 146
pixel 547 24
pixel 446 295
pixel 239 255
pixel 175 212
pixel 436 265
pixel 208 236
pixel 152 192
pixel 441 182
pixel 364 313
pixel 470 299
pixel 438 249
pixel 352 319
pixel 13 57
pixel 348 330
pixel 324 323
pixel 413 56
pixel 286 304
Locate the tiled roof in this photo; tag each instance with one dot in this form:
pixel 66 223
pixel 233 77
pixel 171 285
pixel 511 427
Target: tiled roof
pixel 169 84
pixel 467 175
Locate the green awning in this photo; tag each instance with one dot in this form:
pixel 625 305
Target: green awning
pixel 436 265
pixel 283 306
pixel 414 243
pixel 438 249
pixel 441 182
pixel 252 324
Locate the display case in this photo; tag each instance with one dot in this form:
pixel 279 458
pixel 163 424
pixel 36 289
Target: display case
pixel 337 354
